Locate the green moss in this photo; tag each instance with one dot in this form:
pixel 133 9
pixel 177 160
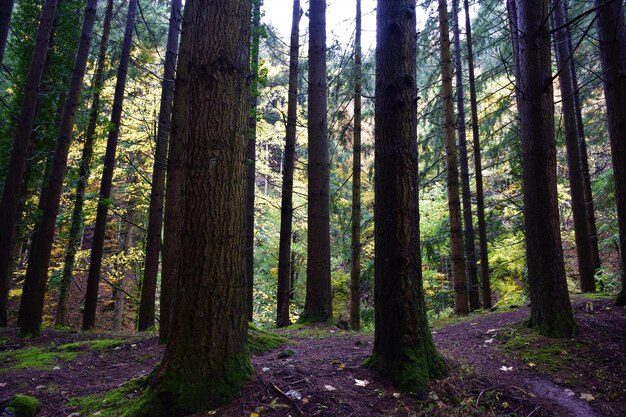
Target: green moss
pixel 33 358
pixel 24 406
pixel 562 326
pixel 260 341
pixel 102 344
pixel 113 402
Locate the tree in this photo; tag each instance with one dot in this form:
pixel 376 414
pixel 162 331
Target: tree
pixel 155 221
pixel 612 39
pixel 468 222
pixel 6 10
pixel 403 346
pixel 355 260
pixel 454 204
pixel 577 192
pixel 550 311
pixel 32 303
pixel 97 249
pixel 77 223
pixel 478 166
pixel 206 359
pixel 318 303
pixel 286 206
pixel 21 144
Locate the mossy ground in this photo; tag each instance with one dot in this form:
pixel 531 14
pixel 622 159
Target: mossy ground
pixel 33 358
pixel 24 406
pixel 112 403
pixel 101 344
pixel 260 341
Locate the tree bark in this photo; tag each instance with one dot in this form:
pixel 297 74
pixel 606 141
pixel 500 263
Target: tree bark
pixel 286 207
pixel 318 303
pixel 403 346
pixel 206 359
pixel 612 39
pixel 550 311
pixel 77 221
pixel 17 163
pixel 577 193
pixel 6 10
pixel 119 296
pixel 97 249
pixel 155 218
pixel 454 204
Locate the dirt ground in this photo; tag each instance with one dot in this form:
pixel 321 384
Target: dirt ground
pixel 496 369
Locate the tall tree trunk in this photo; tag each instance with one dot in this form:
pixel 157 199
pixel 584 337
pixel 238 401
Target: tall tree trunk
pixel 17 163
pixel 251 168
pixel 468 220
pixel 355 247
pixel 119 296
pixel 403 346
pixel 6 10
pixel 206 360
pixel 454 204
pixel 478 166
pixel 97 249
pixel 286 207
pixel 579 212
pixel 155 219
pixel 318 303
pixel 77 221
pixel 550 311
pixel 31 307
pixel 612 37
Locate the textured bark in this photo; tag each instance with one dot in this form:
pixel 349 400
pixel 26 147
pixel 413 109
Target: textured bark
pixel 550 310
pixel 457 257
pixel 206 360
pixel 286 206
pixel 403 346
pixel 577 193
pixel 355 247
pixel 77 222
pixel 251 154
pixel 468 221
pixel 155 218
pixel 612 39
pixel 478 166
pixel 97 249
pixel 6 10
pixel 318 303
pixel 17 163
pixel 31 307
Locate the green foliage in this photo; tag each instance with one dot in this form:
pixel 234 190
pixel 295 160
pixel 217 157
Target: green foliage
pixel 24 406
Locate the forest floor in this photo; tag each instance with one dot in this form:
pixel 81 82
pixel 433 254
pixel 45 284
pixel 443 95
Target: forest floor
pixel 497 367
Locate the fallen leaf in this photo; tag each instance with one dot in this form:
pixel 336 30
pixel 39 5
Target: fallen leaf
pixel 294 394
pixel 254 415
pixel 396 395
pixel 3 384
pixel 330 388
pixel 433 396
pixel 473 324
pixel 56 368
pixel 586 397
pixel 492 330
pixel 489 340
pixel 532 365
pixel 361 382
pixel 505 405
pixel 569 392
pixel 341 366
pixel 265 369
pixel 506 368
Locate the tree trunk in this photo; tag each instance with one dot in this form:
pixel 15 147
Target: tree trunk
pixel 478 166
pixel 403 346
pixel 286 207
pixel 468 220
pixel 612 39
pixel 97 249
pixel 318 303
pixel 6 10
pixel 77 222
pixel 31 307
pixel 155 220
pixel 355 247
pixel 119 294
pixel 550 310
pixel 581 232
pixel 206 360
pixel 454 204
pixel 251 152
pixel 17 163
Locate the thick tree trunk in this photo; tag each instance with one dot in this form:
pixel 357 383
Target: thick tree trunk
pixel 550 311
pixel 206 360
pixel 403 346
pixel 579 212
pixel 155 218
pixel 31 307
pixel 454 204
pixel 251 152
pixel 468 221
pixel 17 163
pixel 318 303
pixel 286 207
pixel 6 10
pixel 97 249
pixel 478 166
pixel 77 222
pixel 355 247
pixel 612 37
